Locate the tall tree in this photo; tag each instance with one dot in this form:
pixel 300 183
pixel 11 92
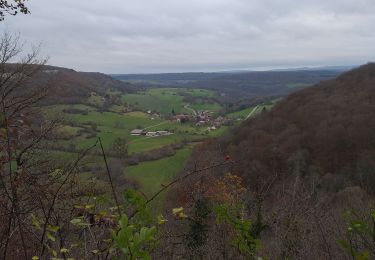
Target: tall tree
pixel 18 138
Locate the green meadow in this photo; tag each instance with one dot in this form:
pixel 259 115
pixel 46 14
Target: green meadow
pixel 166 100
pixel 82 124
pixel 242 114
pixel 152 175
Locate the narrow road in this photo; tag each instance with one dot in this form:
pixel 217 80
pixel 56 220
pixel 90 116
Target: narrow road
pixel 252 111
pixel 189 108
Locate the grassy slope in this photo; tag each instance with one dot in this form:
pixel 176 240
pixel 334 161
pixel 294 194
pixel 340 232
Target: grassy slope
pixel 242 114
pixel 156 99
pixel 206 106
pixel 151 175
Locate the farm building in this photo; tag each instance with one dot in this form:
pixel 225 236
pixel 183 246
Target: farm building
pixel 151 134
pixel 158 133
pixel 137 132
pixel 163 133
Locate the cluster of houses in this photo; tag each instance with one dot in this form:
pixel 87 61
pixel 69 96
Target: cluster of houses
pixel 149 133
pixel 202 118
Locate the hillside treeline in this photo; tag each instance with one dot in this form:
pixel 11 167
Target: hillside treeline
pixel 236 84
pixel 67 86
pixel 308 168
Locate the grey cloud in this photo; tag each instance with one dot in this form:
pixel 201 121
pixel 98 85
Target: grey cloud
pixel 193 35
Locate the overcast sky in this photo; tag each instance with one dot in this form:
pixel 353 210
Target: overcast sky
pixel 131 36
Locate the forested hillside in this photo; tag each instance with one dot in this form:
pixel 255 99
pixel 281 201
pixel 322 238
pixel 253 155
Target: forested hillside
pixel 328 127
pixel 308 168
pixel 237 84
pixel 70 86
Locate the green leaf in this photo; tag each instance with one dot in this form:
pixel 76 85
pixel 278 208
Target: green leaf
pixel 56 173
pixel 53 228
pixel 35 222
pixel 161 220
pixel 64 250
pixel 373 215
pixel 76 221
pixel 50 237
pixel 79 222
pixel 90 206
pixel 363 256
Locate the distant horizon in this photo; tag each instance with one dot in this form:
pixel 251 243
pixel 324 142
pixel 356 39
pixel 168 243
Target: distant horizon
pixel 255 69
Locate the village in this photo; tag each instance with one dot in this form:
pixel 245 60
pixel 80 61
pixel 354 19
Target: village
pixel 198 119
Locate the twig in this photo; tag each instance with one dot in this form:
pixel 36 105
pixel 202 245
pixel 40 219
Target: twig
pixel 180 179
pixel 109 176
pixel 58 190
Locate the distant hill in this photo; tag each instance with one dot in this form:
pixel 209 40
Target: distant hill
pixel 237 84
pixel 172 77
pixel 70 86
pixel 333 122
pixel 336 68
pixel 309 160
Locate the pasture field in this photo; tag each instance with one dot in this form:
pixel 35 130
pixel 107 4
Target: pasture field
pixel 82 124
pixel 111 125
pixel 164 100
pixel 196 92
pixel 156 100
pixel 214 107
pixel 152 175
pixel 242 114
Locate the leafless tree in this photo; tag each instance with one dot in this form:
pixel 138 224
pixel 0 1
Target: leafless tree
pixel 19 141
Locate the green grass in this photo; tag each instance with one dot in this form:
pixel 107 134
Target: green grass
pixel 164 100
pixel 206 106
pixel 116 124
pixel 218 132
pixel 112 125
pixel 242 114
pixel 151 175
pixel 68 130
pixel 161 101
pixel 54 111
pixel 62 157
pixel 196 92
pixel 143 143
